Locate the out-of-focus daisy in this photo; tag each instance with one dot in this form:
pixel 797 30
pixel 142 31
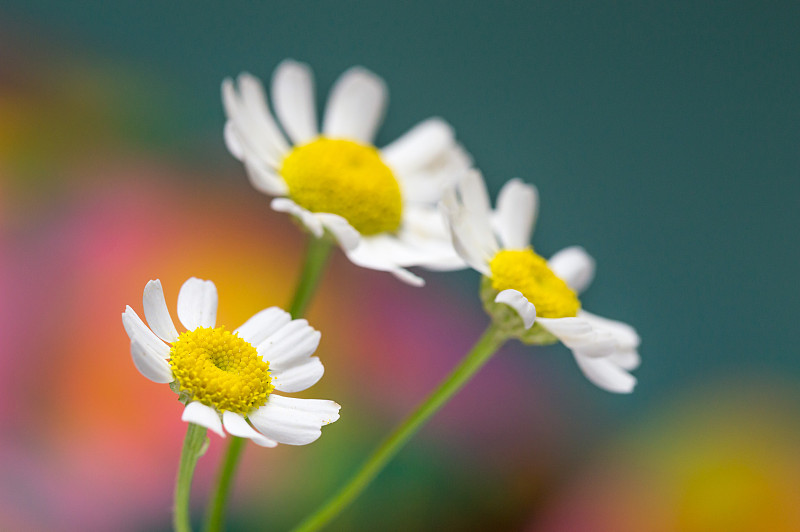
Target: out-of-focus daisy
pixel 226 379
pixel 380 204
pixel 542 293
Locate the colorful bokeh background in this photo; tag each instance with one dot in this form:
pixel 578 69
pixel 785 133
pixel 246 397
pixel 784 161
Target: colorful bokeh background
pixel 663 137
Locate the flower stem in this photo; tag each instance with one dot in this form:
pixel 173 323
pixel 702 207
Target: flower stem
pixel 216 510
pixel 316 257
pixel 317 253
pixel 193 447
pixel 486 346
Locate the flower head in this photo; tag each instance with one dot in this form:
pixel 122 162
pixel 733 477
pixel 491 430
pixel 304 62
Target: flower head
pixel 226 379
pixel 534 299
pixel 379 204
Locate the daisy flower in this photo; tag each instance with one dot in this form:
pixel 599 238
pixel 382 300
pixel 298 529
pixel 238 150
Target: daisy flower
pixel 542 293
pixel 379 204
pixel 226 379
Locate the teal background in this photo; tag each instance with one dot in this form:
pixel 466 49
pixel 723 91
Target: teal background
pixel 664 137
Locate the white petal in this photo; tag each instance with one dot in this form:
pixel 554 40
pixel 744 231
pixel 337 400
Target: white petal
pixel 566 328
pixel 263 178
pixel 474 195
pixel 574 266
pixel 626 336
pixel 578 333
pixel 197 304
pixel 293 98
pixel 422 240
pixel 205 416
pixel 254 102
pixel 305 216
pixel 294 421
pixel 347 235
pixel 520 304
pixel 427 185
pixel 298 377
pixel 606 374
pixel 238 426
pixel 251 130
pixel 366 256
pixel 469 221
pixel 515 215
pixel 289 344
pixel 392 250
pixel 599 343
pixel 156 312
pixel 151 366
pixel 460 231
pixel 404 249
pixel 262 324
pixel 355 106
pixel 628 360
pixel 259 171
pixel 232 141
pixel 139 333
pixel 420 146
pixel 410 278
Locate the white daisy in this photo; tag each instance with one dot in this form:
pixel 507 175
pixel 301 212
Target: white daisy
pixel 542 293
pixel 379 204
pixel 227 379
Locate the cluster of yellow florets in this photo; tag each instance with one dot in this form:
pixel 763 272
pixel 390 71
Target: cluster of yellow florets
pixel 527 272
pixel 220 370
pixel 345 178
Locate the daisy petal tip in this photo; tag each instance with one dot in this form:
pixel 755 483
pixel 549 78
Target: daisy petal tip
pixel 197 303
pixel 625 386
pixel 335 415
pixel 408 277
pixel 361 71
pixel 227 87
pixel 575 266
pixel 289 62
pixel 605 373
pixel 518 302
pixel 156 312
pixel 263 442
pixel 245 77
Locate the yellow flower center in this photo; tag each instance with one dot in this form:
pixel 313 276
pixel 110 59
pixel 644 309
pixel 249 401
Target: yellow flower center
pixel 527 272
pixel 345 178
pixel 220 370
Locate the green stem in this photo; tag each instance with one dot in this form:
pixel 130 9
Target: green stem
pixel 216 510
pixel 316 257
pixel 486 346
pixel 193 447
pixel 317 254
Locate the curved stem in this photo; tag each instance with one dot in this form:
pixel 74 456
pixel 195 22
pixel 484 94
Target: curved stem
pixel 316 257
pixel 317 253
pixel 216 510
pixel 193 448
pixel 486 346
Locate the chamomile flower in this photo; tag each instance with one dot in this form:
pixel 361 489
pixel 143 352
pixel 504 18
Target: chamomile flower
pixel 542 293
pixel 379 204
pixel 227 379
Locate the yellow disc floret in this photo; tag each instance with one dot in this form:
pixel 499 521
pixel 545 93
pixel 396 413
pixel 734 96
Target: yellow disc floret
pixel 345 178
pixel 527 272
pixel 220 370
